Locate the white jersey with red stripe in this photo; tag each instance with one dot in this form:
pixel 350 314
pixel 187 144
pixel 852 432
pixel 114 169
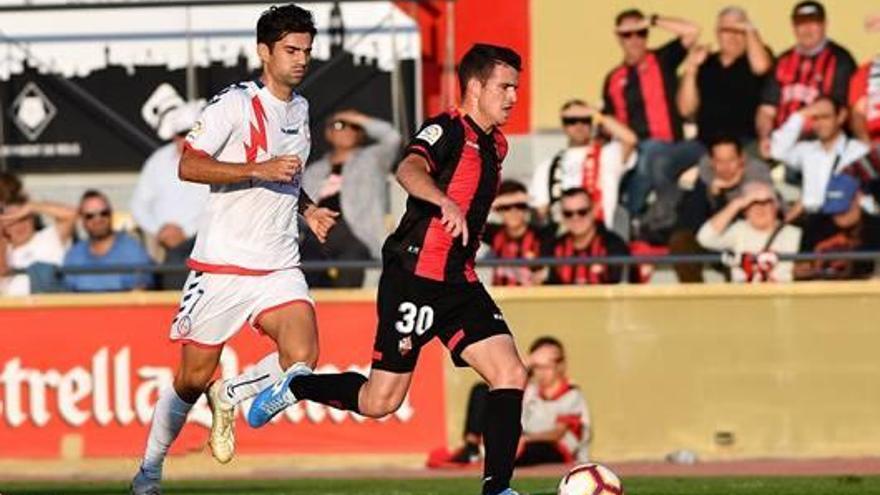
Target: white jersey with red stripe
pixel 250 227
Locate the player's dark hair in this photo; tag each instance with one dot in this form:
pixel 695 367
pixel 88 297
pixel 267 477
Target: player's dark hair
pixel 511 186
pixel 574 102
pixel 725 139
pixel 94 193
pixel 479 61
pixel 277 22
pixel 547 340
pixel 628 14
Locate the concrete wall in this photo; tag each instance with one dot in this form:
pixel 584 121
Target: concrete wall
pixel 573 45
pixel 788 370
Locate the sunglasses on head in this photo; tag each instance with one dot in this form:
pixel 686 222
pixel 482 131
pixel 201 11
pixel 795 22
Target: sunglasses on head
pixel 569 121
pixel 581 212
pixel 513 206
pixel 91 215
pixel 641 33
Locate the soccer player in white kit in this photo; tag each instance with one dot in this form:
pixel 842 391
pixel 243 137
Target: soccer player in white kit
pixel 250 145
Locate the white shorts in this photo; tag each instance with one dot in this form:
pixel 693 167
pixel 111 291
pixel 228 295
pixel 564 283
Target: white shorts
pixel 215 306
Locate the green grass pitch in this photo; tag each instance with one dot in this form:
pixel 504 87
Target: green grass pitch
pixel 847 485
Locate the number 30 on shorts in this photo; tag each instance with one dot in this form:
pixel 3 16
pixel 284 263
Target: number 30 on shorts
pixel 414 318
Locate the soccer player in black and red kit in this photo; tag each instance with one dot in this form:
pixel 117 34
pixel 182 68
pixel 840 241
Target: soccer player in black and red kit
pixel 429 288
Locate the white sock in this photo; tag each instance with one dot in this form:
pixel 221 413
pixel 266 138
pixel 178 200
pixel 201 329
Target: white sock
pixel 168 419
pixel 251 382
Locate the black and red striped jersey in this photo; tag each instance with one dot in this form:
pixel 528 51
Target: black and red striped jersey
pixel 465 163
pixel 604 243
pixel 642 96
pixel 507 247
pixel 798 79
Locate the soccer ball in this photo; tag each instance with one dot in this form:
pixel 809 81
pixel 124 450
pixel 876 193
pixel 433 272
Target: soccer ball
pixel 590 479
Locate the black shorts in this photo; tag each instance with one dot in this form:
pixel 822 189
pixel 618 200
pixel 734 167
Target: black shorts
pixel 413 310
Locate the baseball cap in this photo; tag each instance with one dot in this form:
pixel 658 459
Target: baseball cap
pixel 808 8
pixel 839 194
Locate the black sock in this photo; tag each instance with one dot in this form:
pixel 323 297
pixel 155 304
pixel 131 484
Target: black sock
pixel 503 428
pixel 339 390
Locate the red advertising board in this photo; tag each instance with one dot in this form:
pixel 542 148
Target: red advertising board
pixel 94 373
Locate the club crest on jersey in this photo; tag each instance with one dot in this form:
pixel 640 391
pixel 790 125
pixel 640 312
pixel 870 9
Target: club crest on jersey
pixel 197 129
pixel 430 134
pixel 404 346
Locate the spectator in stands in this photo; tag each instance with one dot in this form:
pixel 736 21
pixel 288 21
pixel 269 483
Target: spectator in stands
pixel 103 248
pixel 584 237
pixel 721 90
pixel 641 93
pixel 27 244
pixel 721 179
pixel 514 237
pixel 756 239
pixel 864 100
pixel 555 419
pixel 351 179
pixel 816 160
pixel 843 227
pixel 815 66
pixel 166 208
pixel 591 161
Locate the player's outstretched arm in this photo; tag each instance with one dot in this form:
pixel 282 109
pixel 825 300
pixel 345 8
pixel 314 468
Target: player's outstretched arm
pixel 200 167
pixel 413 175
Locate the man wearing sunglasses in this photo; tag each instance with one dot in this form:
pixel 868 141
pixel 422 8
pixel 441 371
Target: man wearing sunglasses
pixel 514 237
pixel 815 66
pixel 104 247
pixel 584 237
pixel 640 93
pixel 600 151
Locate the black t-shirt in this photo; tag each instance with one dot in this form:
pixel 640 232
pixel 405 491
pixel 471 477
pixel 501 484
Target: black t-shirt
pixel 465 163
pixel 822 235
pixel 643 96
pixel 729 98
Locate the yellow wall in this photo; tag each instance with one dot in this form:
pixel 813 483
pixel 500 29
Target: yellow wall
pixel 573 46
pixel 791 371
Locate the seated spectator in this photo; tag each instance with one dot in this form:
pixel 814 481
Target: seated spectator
pixel 864 101
pixel 555 419
pixel 103 248
pixel 166 208
pixel 816 160
pixel 590 161
pixel 721 90
pixel 514 237
pixel 351 179
pixel 640 93
pixel 843 226
pixel 721 178
pixel 584 237
pixel 815 66
pixel 27 244
pixel 756 239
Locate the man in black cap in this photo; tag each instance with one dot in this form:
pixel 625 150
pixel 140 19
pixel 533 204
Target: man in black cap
pixel 815 66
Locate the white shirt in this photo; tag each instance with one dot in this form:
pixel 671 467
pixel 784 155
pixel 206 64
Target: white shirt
pixel 250 227
pixel 812 159
pixel 611 170
pixel 741 238
pixel 542 414
pixel 45 246
pixel 160 197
